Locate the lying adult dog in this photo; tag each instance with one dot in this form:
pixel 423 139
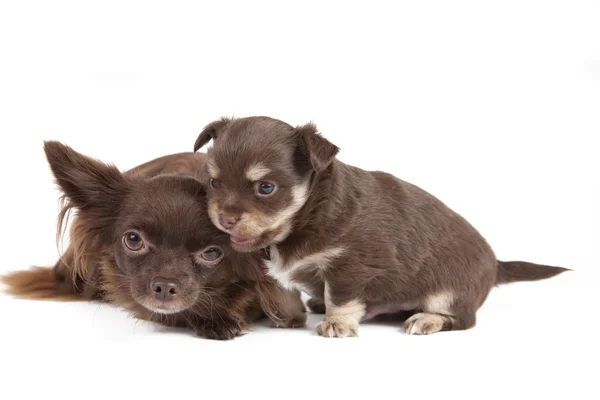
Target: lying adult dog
pixel 143 240
pixel 360 243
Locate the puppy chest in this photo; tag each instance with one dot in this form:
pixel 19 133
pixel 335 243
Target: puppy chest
pixel 302 273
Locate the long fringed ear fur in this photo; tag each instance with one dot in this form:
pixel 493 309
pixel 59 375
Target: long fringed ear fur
pixel 86 182
pixel 211 131
pixel 321 151
pixel 96 190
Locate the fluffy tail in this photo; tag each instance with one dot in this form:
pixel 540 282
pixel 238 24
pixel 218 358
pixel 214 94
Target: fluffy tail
pixel 515 271
pixel 47 283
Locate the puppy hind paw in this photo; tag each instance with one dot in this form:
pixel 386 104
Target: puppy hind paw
pixel 424 324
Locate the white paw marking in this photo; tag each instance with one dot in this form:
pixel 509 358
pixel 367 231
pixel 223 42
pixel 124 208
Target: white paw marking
pixel 424 324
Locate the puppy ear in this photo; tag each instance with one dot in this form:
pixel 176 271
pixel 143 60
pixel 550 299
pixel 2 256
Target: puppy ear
pixel 320 150
pixel 87 183
pixel 211 131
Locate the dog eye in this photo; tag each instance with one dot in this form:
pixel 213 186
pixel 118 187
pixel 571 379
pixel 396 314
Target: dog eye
pixel 211 254
pixel 133 241
pixel 214 183
pixel 265 188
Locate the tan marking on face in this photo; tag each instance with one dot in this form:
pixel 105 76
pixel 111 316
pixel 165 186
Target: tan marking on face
pixel 213 170
pixel 256 172
pixel 440 303
pixel 282 220
pixel 253 223
pixel 213 214
pixel 247 226
pixel 341 321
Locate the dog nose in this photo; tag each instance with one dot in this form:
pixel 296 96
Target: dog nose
pixel 164 289
pixel 228 220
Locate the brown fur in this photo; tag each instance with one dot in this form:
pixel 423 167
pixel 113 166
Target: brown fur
pixel 166 207
pixel 83 249
pixel 58 283
pixel 360 243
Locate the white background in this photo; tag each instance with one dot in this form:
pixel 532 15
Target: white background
pixel 494 107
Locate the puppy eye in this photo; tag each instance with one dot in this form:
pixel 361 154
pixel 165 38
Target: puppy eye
pixel 133 241
pixel 210 256
pixel 265 188
pixel 214 183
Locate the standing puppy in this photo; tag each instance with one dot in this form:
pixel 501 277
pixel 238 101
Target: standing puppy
pixel 360 243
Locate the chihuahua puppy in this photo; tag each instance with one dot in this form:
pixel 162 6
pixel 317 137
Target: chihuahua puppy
pixel 360 243
pixel 147 245
pixel 65 281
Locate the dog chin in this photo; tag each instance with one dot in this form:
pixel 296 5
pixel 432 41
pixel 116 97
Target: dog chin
pixel 161 309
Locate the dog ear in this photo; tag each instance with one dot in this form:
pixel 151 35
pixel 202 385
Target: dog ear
pixel 88 183
pixel 211 131
pixel 320 151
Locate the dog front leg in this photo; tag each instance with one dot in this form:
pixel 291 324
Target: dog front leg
pixel 343 312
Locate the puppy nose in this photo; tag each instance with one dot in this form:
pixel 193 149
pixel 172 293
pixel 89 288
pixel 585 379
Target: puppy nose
pixel 164 289
pixel 228 220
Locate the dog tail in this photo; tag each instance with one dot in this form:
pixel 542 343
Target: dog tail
pixel 516 271
pixel 47 283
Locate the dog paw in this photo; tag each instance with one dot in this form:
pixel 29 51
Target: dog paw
pixel 337 329
pixel 424 324
pixel 226 329
pixel 297 321
pixel 316 306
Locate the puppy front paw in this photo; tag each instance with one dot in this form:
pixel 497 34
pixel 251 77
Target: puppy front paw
pixel 225 329
pixel 337 329
pixel 296 321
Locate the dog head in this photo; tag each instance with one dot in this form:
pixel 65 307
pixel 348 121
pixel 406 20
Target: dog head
pixel 260 173
pixel 160 247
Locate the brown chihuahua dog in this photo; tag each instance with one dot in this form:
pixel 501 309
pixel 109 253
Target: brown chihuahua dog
pixel 147 245
pixel 64 281
pixel 360 243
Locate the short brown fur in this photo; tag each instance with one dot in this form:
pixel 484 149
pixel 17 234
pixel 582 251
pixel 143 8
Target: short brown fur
pixel 360 243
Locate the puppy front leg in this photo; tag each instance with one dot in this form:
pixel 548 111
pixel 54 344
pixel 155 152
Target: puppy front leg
pixel 283 307
pixel 220 328
pixel 224 314
pixel 342 316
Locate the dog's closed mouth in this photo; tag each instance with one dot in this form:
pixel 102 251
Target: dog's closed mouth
pixel 161 309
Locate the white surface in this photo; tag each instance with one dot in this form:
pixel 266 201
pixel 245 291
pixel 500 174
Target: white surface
pixel 492 108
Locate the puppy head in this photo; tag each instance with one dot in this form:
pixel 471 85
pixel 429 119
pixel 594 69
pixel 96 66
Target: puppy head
pixel 159 244
pixel 260 170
